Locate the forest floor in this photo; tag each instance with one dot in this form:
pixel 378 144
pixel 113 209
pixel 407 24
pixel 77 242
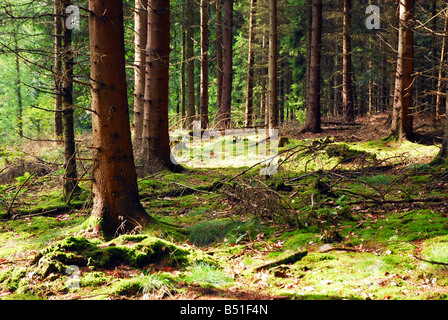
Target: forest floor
pixel 349 215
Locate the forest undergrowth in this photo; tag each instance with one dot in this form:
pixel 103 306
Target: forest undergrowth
pixel 349 215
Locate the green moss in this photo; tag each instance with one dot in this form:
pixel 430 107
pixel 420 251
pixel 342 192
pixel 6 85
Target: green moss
pixel 20 296
pixel 13 279
pixel 80 251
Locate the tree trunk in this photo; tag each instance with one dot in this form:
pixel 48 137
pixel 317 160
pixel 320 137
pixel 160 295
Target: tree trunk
pixel 58 68
pixel 263 99
pixel 116 202
pixel 442 156
pixel 18 80
pixel 250 66
pixel 313 117
pixel 347 84
pixel 219 53
pixel 225 109
pixel 190 66
pixel 309 21
pixel 157 152
pixel 402 118
pixel 204 64
pixel 441 81
pixel 273 66
pixel 182 75
pixel 141 24
pixel 70 184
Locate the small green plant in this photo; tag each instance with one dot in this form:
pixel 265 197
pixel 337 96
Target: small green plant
pixel 204 273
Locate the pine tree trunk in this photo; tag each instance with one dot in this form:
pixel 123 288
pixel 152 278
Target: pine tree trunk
pixel 219 53
pixel 116 202
pixel 227 65
pixel 402 117
pixel 70 184
pixel 182 76
pixel 157 152
pixel 273 66
pixel 313 118
pixel 347 84
pixel 58 68
pixel 141 24
pixel 250 66
pixel 190 66
pixel 440 80
pixel 204 64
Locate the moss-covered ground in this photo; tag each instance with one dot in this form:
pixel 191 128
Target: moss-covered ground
pixel 371 215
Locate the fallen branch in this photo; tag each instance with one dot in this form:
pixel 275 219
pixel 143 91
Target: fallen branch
pixel 394 201
pixel 432 262
pixel 288 260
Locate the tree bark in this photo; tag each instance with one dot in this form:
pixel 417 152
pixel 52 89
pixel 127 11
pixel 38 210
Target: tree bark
pixel 250 66
pixel 58 68
pixel 273 66
pixel 140 26
pixel 157 151
pixel 402 117
pixel 71 174
pixel 440 81
pixel 190 66
pixel 347 84
pixel 313 119
pixel 225 109
pixel 116 202
pixel 219 53
pixel 204 64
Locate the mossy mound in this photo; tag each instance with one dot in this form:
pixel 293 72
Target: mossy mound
pixel 134 250
pixel 347 154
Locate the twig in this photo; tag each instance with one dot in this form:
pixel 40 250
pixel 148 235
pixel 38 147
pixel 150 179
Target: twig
pixel 432 262
pixel 17 193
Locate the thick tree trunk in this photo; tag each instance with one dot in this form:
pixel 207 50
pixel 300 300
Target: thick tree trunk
pixel 190 66
pixel 157 152
pixel 116 202
pixel 227 63
pixel 313 118
pixel 141 24
pixel 402 117
pixel 273 66
pixel 58 68
pixel 204 64
pixel 71 174
pixel 250 67
pixel 347 84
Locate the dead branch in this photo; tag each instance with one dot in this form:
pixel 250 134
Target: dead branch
pixel 292 258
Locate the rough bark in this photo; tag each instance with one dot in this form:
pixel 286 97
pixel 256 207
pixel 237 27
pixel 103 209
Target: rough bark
pixel 58 68
pixel 115 193
pixel 250 66
pixel 204 64
pixel 347 84
pixel 70 183
pixel 157 151
pixel 224 112
pixel 219 54
pixel 140 31
pixel 402 117
pixel 313 118
pixel 273 66
pixel 190 66
pixel 440 81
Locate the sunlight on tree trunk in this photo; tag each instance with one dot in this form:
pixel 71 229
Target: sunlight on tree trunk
pixel 115 193
pixel 402 117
